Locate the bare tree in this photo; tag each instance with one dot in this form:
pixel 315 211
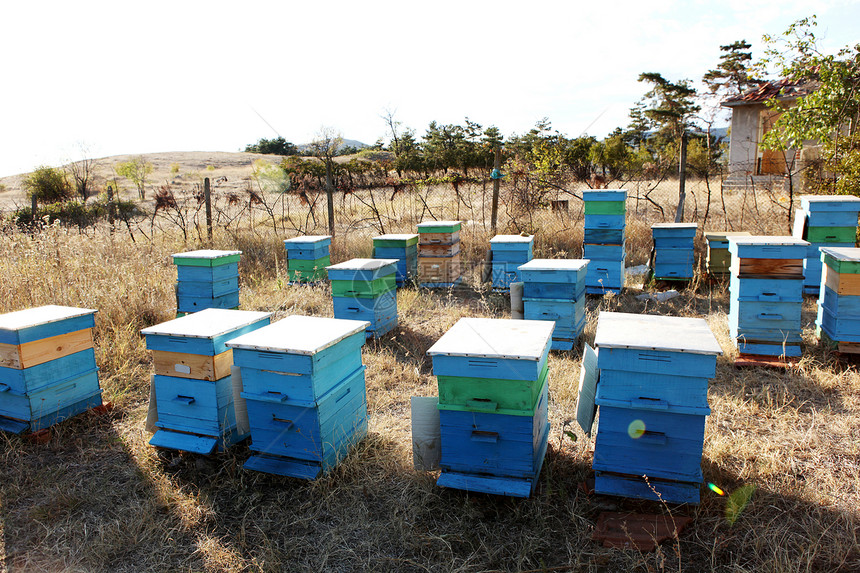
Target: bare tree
pixel 325 146
pixel 83 173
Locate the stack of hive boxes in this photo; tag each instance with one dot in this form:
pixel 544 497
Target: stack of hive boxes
pixel 303 384
pixel 838 319
pixel 824 221
pixel 674 248
pixel 554 289
pixel 509 252
pixel 653 399
pixel 48 367
pixel 404 248
pixel 206 279
pixel 366 289
pixel 191 386
pixel 603 241
pixel 307 258
pixel 766 294
pixel 719 260
pixel 493 393
pixel 439 254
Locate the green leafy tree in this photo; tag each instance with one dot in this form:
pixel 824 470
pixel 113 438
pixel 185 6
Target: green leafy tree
pixel 137 171
pixel 829 115
pixel 277 146
pixel 669 106
pixel 734 74
pixel 47 185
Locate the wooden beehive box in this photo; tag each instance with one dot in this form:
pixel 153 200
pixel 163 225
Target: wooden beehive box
pixel 652 394
pixel 47 366
pixel 303 383
pixel 193 388
pixel 493 404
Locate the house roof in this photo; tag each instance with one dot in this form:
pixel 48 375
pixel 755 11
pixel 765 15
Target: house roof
pixel 781 89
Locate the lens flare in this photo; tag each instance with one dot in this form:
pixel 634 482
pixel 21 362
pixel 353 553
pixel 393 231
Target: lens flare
pixel 715 489
pixel 636 429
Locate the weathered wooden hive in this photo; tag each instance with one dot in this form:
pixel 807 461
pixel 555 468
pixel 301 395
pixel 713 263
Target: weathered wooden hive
pixel 439 254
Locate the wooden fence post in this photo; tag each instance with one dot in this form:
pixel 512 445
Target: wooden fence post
pixel 497 163
pixel 207 196
pixel 682 179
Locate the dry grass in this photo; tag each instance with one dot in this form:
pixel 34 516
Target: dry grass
pixel 97 497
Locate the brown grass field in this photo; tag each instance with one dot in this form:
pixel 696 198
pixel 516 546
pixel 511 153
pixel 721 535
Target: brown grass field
pixel 97 497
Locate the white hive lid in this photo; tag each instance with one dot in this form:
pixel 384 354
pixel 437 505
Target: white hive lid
pixel 842 253
pixel 297 334
pixel 653 332
pixel 554 264
pixel 495 338
pixel 363 264
pixel 308 239
pixel 206 254
pixel 207 323
pixel 512 239
pixel 30 317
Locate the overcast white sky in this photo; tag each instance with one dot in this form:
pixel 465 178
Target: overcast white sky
pixel 137 77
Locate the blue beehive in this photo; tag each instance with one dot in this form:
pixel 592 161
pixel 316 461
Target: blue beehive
pixel 483 450
pixel 508 253
pixel 674 247
pixel 307 257
pixel 603 240
pixel 404 248
pixel 554 289
pixel 838 320
pixel 206 279
pixel 48 369
pixel 192 384
pixel 766 294
pixel 366 289
pixel 303 383
pixel 824 221
pixel 652 393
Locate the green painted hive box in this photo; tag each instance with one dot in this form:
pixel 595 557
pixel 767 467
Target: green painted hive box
pixel 843 260
pixel 831 234
pixel 363 289
pixel 397 240
pixel 439 227
pixel 490 395
pixel 604 207
pixel 300 270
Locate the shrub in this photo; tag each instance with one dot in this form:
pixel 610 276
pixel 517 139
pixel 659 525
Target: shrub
pixel 47 185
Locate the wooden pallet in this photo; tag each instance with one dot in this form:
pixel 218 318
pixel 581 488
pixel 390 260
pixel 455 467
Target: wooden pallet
pixel 752 360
